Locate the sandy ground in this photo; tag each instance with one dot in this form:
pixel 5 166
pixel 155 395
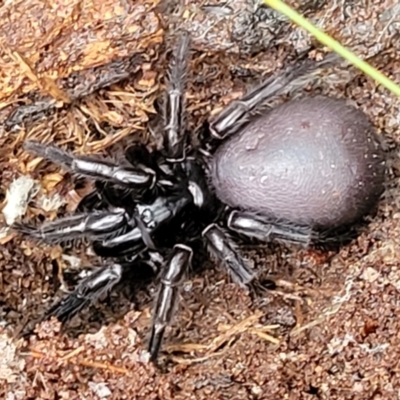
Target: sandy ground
pixel 329 331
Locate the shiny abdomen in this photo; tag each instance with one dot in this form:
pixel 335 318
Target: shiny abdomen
pixel 314 161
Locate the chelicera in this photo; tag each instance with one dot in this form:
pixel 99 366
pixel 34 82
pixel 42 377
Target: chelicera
pixel 300 172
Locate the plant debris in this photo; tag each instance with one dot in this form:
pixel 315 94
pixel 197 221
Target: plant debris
pixel 17 198
pixel 70 49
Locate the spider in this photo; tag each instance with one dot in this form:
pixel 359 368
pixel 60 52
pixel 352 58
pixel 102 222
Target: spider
pixel 299 172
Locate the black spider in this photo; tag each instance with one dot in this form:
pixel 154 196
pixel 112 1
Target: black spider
pixel 297 173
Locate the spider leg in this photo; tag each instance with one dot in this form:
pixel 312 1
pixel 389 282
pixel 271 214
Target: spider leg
pixel 93 225
pixel 238 113
pixel 258 227
pixel 225 250
pixel 99 283
pixel 122 250
pixel 132 236
pixel 94 168
pixel 167 298
pixel 174 109
pixel 90 289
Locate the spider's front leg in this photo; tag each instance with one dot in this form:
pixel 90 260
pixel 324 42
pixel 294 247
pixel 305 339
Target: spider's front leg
pixel 167 299
pixel 254 226
pixel 130 177
pixel 174 107
pixel 239 112
pixel 89 290
pixel 98 284
pixel 94 225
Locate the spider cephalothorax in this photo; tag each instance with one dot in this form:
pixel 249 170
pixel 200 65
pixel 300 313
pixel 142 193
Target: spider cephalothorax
pixel 293 173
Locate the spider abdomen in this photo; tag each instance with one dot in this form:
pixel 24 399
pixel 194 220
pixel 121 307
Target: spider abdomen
pixel 314 161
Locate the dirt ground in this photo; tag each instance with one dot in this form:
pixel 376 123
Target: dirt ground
pixel 330 329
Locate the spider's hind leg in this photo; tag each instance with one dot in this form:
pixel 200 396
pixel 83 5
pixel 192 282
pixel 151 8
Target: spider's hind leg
pixel 254 226
pixel 239 112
